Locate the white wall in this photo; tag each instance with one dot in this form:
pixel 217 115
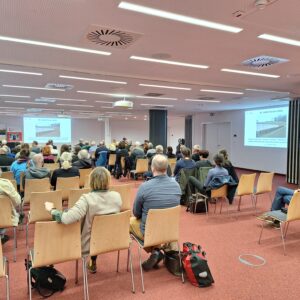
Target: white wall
pixel 175 130
pixel 257 158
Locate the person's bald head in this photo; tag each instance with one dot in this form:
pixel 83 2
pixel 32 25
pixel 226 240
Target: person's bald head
pixel 3 151
pixel 38 160
pixel 159 164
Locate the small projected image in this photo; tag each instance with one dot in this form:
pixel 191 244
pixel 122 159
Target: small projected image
pixel 275 127
pixel 51 130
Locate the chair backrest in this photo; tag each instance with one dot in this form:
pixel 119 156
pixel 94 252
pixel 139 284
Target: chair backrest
pixel 14 183
pixel 112 159
pixel 162 226
pixel 35 185
pixel 126 192
pixel 87 182
pixel 171 160
pixel 122 162
pixel 246 184
pixel 8 175
pixel 37 205
pixel 172 166
pixel 110 233
pixel 220 192
pixel 5 212
pixel 141 165
pixel 264 183
pixel 56 243
pixel 202 174
pixel 51 167
pixel 22 174
pixel 74 196
pixel 66 184
pixel 293 212
pixel 83 175
pixel 2 270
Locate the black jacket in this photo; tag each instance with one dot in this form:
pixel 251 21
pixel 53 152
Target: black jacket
pixel 5 161
pixel 72 172
pixel 84 163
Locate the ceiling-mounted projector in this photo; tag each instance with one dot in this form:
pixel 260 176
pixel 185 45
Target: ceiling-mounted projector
pixel 123 103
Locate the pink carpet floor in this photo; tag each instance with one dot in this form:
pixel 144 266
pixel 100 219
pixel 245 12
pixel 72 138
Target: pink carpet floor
pixel 224 238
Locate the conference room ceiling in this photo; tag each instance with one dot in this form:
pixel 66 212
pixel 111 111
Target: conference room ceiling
pixel 128 34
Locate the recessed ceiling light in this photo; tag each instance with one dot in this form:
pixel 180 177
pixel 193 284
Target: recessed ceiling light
pixel 92 79
pixel 165 87
pixel 159 98
pixel 266 91
pixel 250 73
pixel 105 94
pixel 51 45
pixel 15 96
pixel 30 87
pixel 134 117
pixel 79 105
pixel 67 99
pixel 279 39
pixel 221 92
pixel 164 105
pixel 21 72
pixel 198 100
pixel 177 17
pixel 23 102
pixel 8 107
pixel 107 107
pixel 169 62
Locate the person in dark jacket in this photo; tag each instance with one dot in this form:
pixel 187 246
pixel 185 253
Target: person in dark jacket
pixel 66 169
pixel 170 153
pixel 228 165
pixel 184 163
pixel 101 148
pixel 5 160
pixel 84 161
pixel 196 153
pixel 203 162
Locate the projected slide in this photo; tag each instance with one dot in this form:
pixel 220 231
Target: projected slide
pixel 266 127
pixel 43 129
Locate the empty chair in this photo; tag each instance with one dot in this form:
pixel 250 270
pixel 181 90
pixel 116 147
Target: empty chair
pixel 126 192
pixel 35 185
pixel 66 184
pixel 246 188
pixel 162 226
pixel 55 243
pixel 220 194
pixel 74 196
pixel 8 175
pixel 84 173
pixel 264 185
pixel 37 211
pixel 4 271
pixel 111 233
pixel 6 219
pixel 141 167
pixel 284 219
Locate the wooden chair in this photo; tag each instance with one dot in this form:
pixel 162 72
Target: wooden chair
pixel 8 175
pixel 293 214
pixel 111 233
pixel 172 160
pixel 14 183
pixel 22 174
pixel 66 184
pixel 172 166
pixel 6 219
pixel 55 243
pixel 112 160
pixel 51 167
pixel 246 188
pixel 37 211
pixel 4 271
pixel 83 175
pixel 87 182
pixel 220 194
pixel 126 192
pixel 162 226
pixel 35 185
pixel 141 167
pixel 264 185
pixel 75 195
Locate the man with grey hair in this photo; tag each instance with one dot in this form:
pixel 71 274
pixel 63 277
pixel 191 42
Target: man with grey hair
pixel 159 192
pixel 151 151
pixel 136 152
pixel 84 161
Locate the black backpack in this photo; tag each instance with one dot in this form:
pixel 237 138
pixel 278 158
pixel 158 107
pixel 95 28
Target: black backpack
pixel 47 280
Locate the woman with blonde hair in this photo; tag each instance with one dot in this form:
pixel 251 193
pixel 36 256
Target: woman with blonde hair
pixel 48 157
pixel 66 169
pixel 100 201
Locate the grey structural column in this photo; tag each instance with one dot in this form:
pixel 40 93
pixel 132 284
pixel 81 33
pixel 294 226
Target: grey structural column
pixel 188 131
pixel 158 126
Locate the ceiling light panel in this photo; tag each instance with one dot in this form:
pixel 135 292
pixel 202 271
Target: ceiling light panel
pixel 163 105
pixel 67 99
pixel 221 92
pixel 279 39
pixel 250 73
pixel 158 98
pixel 51 45
pixel 31 87
pixel 79 105
pixel 177 17
pixel 266 91
pixel 104 94
pixel 92 79
pixel 165 87
pixel 169 62
pixel 14 96
pixel 23 102
pixel 198 100
pixel 20 72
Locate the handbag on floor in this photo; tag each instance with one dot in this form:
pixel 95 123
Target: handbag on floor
pixel 195 265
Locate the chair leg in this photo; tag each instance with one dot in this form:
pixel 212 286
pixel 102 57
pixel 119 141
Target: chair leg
pixel 27 234
pixel 131 269
pixel 286 228
pixel 206 211
pixel 29 283
pixel 128 253
pixel 282 238
pixel 262 228
pixel 254 203
pixel 221 205
pixel 141 269
pixel 270 196
pixel 15 244
pixel 215 206
pixel 76 272
pixel 239 205
pixel 85 280
pixel 7 279
pixel 180 263
pixel 118 260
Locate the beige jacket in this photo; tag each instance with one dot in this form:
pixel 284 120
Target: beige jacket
pixel 88 206
pixel 6 188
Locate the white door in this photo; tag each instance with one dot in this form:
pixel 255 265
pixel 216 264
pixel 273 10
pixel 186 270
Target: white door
pixel 216 136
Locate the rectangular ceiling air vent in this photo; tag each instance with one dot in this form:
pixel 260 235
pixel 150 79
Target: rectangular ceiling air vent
pixel 45 100
pixel 263 61
pixel 61 86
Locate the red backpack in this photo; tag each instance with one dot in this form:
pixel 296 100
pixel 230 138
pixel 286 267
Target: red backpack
pixel 195 265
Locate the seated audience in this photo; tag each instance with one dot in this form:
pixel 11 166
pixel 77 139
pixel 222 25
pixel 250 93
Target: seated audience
pixel 100 201
pixel 170 153
pixel 26 147
pixel 101 148
pixel 35 147
pixel 5 160
pixel 113 146
pixel 48 157
pixel 50 143
pixel 4 145
pixel 66 169
pixel 80 143
pixel 185 163
pixel 84 161
pixel 196 153
pixel 76 150
pixel 159 192
pixel 121 152
pixel 151 151
pixel 93 148
pixel 20 165
pixel 203 162
pixel 228 165
pixel 136 152
pixel 6 188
